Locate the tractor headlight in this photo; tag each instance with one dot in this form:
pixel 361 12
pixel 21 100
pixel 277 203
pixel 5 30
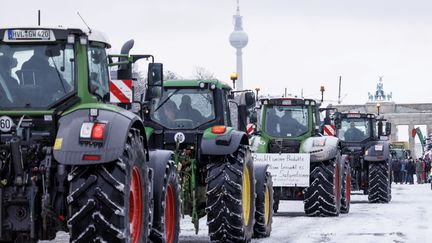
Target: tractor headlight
pixel 379 147
pixel 319 142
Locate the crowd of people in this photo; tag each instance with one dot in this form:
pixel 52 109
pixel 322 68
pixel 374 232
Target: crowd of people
pixel 404 171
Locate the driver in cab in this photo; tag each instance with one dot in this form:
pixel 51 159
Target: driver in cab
pixel 186 111
pixel 353 133
pixel 38 71
pixel 290 126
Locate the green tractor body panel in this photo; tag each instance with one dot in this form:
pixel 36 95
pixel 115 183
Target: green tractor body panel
pixel 149 132
pixel 196 83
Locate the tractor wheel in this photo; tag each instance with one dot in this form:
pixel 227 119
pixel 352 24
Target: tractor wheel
pixel 231 197
pixel 323 196
pixel 346 189
pixel 263 204
pixel 379 183
pixel 166 222
pixel 110 202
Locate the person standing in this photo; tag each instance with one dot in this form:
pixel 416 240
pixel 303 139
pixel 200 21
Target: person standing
pixel 404 164
pixel 396 167
pixel 411 169
pixel 427 170
pixel 419 171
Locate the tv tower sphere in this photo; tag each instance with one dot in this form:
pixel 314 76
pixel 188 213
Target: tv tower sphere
pixel 239 39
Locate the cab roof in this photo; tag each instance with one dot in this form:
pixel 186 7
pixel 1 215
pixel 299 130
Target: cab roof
pixel 288 101
pixel 60 33
pixel 182 83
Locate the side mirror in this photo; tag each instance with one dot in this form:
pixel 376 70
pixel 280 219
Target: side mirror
pixel 155 80
pixel 388 128
pixel 250 100
pixel 155 74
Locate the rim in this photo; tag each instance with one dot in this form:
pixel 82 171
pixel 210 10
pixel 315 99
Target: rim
pixel 266 206
pixel 169 214
pixel 135 206
pixel 336 182
pixel 246 196
pixel 348 188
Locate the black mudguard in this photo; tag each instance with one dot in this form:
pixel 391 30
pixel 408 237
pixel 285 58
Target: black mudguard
pixel 223 145
pixel 374 155
pixel 70 151
pixel 158 163
pixel 159 160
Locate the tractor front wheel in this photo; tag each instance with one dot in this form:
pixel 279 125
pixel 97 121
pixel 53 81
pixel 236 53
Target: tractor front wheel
pixel 346 189
pixel 231 197
pixel 263 203
pixel 323 196
pixel 379 182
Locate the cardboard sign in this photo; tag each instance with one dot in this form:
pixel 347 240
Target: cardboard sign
pixel 287 170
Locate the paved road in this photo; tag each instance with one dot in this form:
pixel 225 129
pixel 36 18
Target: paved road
pixel 408 218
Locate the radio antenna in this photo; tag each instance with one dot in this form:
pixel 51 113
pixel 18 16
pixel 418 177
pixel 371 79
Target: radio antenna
pixel 88 27
pixel 39 17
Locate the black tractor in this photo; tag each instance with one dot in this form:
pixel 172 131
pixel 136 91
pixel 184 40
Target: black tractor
pixel 365 146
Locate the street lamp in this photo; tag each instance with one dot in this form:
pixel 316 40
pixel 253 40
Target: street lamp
pixel 233 77
pixel 378 106
pixel 322 89
pixel 257 90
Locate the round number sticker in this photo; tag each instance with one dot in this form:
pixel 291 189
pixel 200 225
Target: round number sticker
pixel 179 137
pixel 6 124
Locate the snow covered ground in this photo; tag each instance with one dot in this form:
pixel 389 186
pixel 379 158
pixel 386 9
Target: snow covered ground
pixel 408 218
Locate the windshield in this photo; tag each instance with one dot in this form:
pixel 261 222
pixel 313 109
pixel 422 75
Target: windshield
pixel 183 108
pixel 35 76
pixel 354 130
pixel 286 121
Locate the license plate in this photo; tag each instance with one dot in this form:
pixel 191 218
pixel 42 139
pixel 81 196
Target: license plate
pixel 29 34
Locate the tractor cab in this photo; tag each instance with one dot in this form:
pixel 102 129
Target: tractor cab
pixel 285 122
pixel 357 129
pixel 39 67
pixel 188 108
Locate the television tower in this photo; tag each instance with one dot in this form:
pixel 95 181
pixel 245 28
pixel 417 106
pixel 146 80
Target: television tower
pixel 239 39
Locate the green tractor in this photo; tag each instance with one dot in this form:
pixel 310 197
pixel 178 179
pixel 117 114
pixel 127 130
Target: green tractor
pixel 217 174
pixel 305 165
pixel 69 159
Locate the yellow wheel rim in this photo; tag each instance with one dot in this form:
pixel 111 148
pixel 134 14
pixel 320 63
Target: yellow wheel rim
pixel 266 206
pixel 246 196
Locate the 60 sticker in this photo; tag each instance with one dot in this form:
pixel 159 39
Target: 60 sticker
pixel 6 124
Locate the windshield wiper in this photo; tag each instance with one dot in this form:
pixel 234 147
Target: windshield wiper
pixel 165 100
pixel 58 74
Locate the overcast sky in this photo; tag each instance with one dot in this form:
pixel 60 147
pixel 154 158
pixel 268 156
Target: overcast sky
pixel 294 44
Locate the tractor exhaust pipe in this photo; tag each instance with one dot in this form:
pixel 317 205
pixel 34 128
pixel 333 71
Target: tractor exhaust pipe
pixel 125 70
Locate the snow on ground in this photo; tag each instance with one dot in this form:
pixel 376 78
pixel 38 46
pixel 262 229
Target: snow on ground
pixel 408 218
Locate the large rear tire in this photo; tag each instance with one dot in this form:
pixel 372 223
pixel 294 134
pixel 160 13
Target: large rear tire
pixel 379 182
pixel 263 203
pixel 231 197
pixel 323 196
pixel 166 222
pixel 346 189
pixel 109 202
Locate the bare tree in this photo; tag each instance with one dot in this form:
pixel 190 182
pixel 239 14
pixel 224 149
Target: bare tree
pixel 170 75
pixel 203 74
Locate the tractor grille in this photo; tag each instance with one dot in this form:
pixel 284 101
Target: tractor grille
pixel 284 146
